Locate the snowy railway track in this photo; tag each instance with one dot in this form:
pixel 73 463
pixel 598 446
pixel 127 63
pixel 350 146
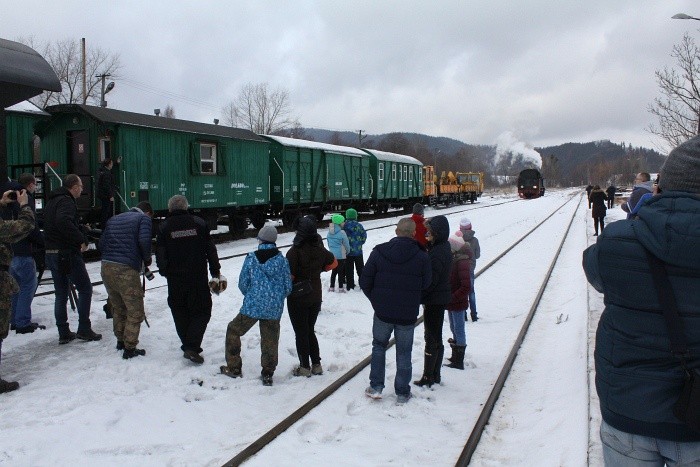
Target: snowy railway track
pixel 281 247
pixel 482 420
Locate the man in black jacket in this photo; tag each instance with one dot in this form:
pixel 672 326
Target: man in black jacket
pixel 393 279
pixel 183 249
pixel 105 190
pixel 65 243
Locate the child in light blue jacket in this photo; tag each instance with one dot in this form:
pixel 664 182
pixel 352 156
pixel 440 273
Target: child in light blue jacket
pixel 339 245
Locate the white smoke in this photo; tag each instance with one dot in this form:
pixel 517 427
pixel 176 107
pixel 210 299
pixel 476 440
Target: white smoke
pixel 507 142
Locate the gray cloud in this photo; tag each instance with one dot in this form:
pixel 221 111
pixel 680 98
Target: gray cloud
pixel 549 72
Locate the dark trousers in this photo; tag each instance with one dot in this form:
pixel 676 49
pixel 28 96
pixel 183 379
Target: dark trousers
pixel 303 319
pixel 106 211
pixel 599 221
pixel 340 272
pixel 190 304
pixel 433 317
pixel 70 270
pixel 352 263
pixel 611 200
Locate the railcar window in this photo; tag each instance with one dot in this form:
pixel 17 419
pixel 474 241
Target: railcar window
pixel 393 172
pixel 105 148
pixel 381 171
pixel 410 175
pixel 207 157
pixel 405 172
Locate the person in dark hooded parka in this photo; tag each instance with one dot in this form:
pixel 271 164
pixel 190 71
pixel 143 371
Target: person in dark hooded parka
pixel 638 377
pixel 435 298
pixel 308 258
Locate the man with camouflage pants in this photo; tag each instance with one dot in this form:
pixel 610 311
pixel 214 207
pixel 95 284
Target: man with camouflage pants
pixel 126 246
pixel 10 232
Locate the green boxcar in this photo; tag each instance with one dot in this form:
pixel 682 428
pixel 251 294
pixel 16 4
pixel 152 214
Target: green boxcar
pixel 397 180
pixel 311 177
pixel 221 170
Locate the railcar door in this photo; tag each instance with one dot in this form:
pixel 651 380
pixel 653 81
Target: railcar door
pixel 79 164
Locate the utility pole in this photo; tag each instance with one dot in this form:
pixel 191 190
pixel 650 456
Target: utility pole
pixel 360 138
pixel 105 90
pixel 84 74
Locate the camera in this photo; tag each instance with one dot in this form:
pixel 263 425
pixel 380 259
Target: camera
pixel 148 274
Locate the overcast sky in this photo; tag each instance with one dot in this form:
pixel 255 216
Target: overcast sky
pixel 540 72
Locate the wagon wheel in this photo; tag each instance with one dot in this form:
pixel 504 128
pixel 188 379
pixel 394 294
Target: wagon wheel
pixel 258 220
pixel 288 218
pixel 237 224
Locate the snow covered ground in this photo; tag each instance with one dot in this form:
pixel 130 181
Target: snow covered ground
pixel 82 404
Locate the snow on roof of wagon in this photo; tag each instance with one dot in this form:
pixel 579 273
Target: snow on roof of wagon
pixel 26 107
pixel 302 143
pixel 104 114
pixel 393 157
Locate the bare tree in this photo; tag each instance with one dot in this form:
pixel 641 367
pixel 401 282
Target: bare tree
pixel 678 110
pixel 169 111
pixel 260 109
pixel 65 57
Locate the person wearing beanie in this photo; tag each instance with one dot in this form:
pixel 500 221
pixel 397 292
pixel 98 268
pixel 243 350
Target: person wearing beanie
pixel 355 258
pixel 418 218
pixel 265 281
pixel 307 260
pixel 468 235
pixel 339 245
pixel 638 377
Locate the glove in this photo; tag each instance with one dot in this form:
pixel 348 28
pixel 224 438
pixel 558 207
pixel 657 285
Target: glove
pixel 218 284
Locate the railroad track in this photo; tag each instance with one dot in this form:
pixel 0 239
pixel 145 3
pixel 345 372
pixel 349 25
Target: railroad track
pixel 258 446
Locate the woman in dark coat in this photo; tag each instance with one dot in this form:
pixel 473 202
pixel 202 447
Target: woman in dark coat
pixel 435 298
pixel 308 258
pixel 597 200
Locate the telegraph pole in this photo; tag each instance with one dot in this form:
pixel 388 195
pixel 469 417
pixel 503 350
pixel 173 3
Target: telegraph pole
pixel 360 138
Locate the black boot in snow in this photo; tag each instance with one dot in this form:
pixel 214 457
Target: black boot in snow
pixel 7 386
pixel 452 357
pixel 438 365
pixel 474 316
pixel 458 362
pixel 429 361
pixel 424 381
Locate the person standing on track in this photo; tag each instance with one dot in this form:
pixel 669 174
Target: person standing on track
pixel 597 200
pixel 417 217
pixel 435 298
pixel 641 369
pixel 395 275
pixel 469 236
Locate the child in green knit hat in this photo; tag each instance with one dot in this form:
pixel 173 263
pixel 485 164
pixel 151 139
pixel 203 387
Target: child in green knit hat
pixel 339 245
pixel 357 237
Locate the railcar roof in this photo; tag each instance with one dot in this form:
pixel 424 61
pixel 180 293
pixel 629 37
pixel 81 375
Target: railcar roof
pixel 106 115
pixel 393 157
pixel 26 107
pixel 302 143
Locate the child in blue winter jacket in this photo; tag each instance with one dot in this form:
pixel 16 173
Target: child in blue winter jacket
pixel 357 237
pixel 265 282
pixel 339 245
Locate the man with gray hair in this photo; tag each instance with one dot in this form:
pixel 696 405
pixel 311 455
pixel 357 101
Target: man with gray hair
pixel 393 279
pixel 183 250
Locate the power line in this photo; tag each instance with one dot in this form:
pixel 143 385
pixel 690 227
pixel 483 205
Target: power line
pixel 167 94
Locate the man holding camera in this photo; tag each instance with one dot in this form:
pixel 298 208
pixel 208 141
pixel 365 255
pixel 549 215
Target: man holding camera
pixel 65 243
pixel 11 231
pixel 126 248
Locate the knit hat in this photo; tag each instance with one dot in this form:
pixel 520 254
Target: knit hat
pixel 681 171
pixel 268 234
pixel 337 219
pixel 351 214
pixel 306 227
pixel 418 209
pixel 465 224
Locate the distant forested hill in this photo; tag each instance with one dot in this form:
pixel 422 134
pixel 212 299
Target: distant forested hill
pixel 569 164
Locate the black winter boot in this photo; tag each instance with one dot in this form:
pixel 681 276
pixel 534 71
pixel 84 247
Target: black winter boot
pixel 429 361
pixel 438 365
pixel 7 386
pixel 458 362
pixel 131 353
pixel 452 357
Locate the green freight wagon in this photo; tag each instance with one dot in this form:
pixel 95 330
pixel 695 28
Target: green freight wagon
pixel 307 177
pixel 221 170
pixel 397 180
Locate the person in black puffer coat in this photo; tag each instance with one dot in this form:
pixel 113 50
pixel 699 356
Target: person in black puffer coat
pixel 597 200
pixel 435 298
pixel 308 258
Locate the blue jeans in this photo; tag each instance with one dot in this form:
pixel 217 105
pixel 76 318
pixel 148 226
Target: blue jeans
pixel 23 269
pixel 472 295
pixel 628 450
pixel 457 326
pixel 79 277
pixel 381 332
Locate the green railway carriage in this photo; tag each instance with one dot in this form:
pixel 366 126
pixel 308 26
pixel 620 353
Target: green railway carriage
pixel 397 180
pixel 22 142
pixel 221 170
pixel 317 178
